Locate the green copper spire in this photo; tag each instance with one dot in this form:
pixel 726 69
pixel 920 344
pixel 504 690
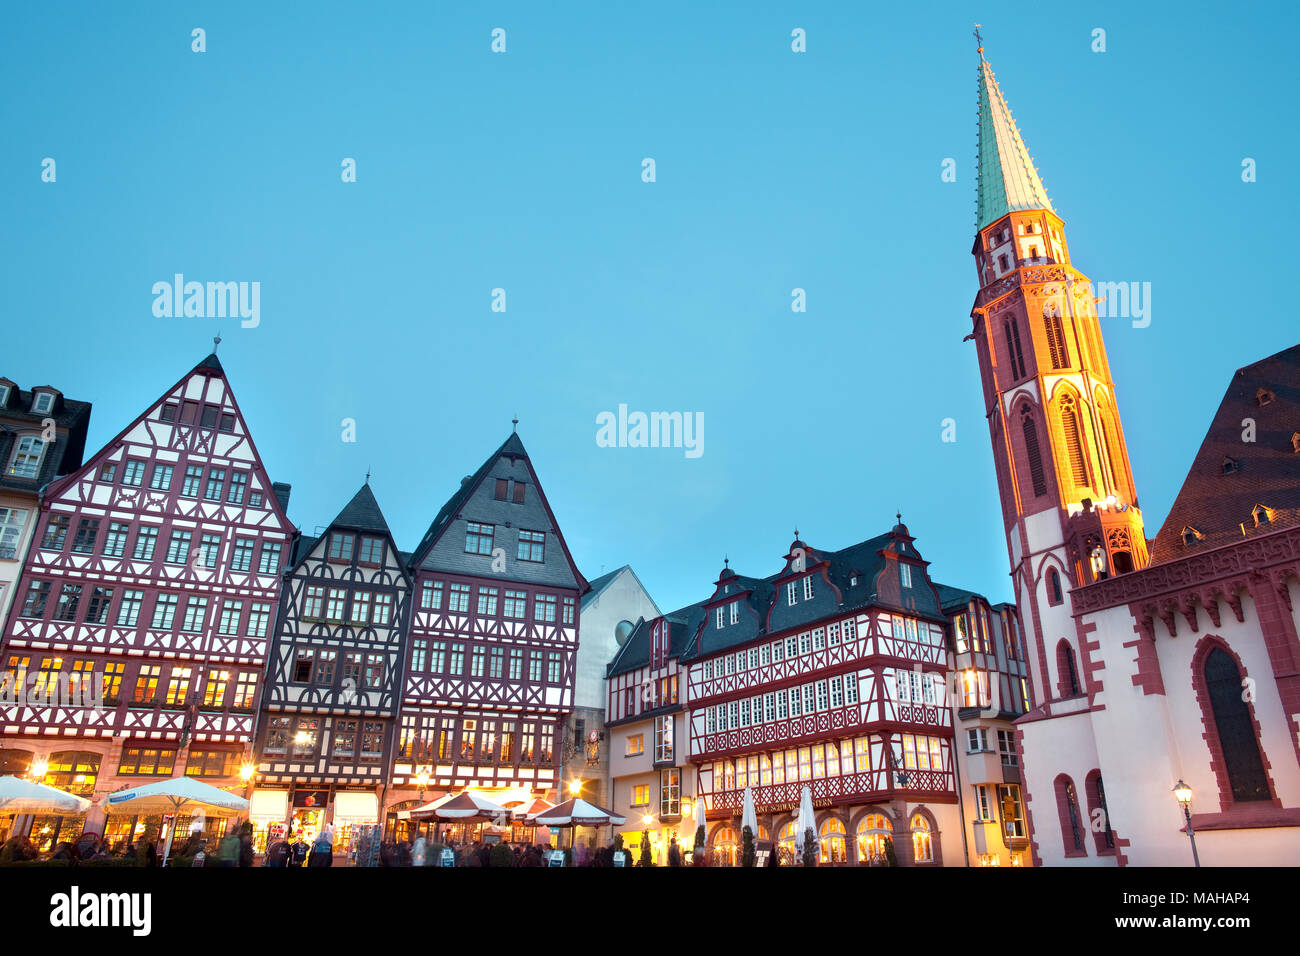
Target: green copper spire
pixel 1007 178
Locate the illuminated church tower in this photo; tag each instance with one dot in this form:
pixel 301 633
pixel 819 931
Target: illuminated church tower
pixel 1068 500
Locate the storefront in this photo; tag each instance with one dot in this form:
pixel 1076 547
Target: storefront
pixel 268 811
pixel 352 808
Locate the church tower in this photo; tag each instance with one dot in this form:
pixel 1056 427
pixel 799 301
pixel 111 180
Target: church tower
pixel 1068 499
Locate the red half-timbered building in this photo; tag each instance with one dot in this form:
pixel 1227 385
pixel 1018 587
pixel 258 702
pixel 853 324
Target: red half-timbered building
pixel 832 674
pixel 333 686
pixel 146 604
pixel 493 642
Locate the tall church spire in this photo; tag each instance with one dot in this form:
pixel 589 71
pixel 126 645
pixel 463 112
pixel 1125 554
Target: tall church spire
pixel 1007 180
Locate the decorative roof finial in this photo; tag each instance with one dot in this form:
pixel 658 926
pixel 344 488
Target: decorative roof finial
pixel 726 561
pixel 367 475
pixel 796 533
pixel 216 340
pixel 515 422
pixel 979 40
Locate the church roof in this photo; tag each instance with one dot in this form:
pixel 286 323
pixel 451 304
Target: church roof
pixel 1007 180
pixel 1233 478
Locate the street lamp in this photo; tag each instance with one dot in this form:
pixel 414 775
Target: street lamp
pixel 1183 793
pixel 575 787
pixel 39 766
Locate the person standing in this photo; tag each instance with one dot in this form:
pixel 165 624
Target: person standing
pixel 228 850
pixel 322 852
pixel 674 853
pixel 278 853
pixel 246 849
pixel 418 851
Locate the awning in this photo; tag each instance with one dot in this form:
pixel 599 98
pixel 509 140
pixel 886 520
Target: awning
pixel 269 806
pixel 356 807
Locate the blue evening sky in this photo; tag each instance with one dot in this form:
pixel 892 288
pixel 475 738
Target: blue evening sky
pixel 522 171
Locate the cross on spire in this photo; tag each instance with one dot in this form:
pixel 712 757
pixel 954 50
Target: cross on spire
pixel 979 41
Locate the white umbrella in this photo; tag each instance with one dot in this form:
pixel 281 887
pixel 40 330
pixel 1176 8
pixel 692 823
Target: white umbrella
pixel 462 808
pixel 806 819
pixel 27 796
pixel 748 818
pixel 172 796
pixel 580 813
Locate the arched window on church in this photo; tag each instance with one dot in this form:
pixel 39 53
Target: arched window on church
pixel 1067 806
pixel 1098 814
pixel 1011 328
pixel 1067 675
pixel 1107 443
pixel 1073 441
pixel 1235 728
pixel 1054 595
pixel 1032 452
pixel 1056 349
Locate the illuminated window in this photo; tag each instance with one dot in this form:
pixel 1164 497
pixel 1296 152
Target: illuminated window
pixel 922 848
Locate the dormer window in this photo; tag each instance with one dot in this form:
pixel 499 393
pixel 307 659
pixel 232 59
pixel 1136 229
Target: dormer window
pixel 4 394
pixel 27 457
pixel 1264 397
pixel 735 611
pixel 807 588
pixel 42 402
pixel 1191 536
pixel 1231 465
pixel 1262 515
pixel 905 573
pixel 853 581
pixel 790 594
pixel 719 618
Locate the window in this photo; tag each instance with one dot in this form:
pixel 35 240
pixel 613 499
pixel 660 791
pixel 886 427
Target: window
pixel 477 658
pixel 270 563
pixel 1007 748
pixel 977 740
pixel 790 594
pixel 719 618
pixel 361 607
pixel 146 684
pixel 27 457
pixel 457 666
pixel 635 745
pixel 1011 328
pixel 1235 728
pixel 231 612
pixel 544 608
pixel 535 667
pixel 664 738
pixel 831 842
pixel 532 546
pixel 277 737
pixel 850 688
pixel 983 804
pixel 383 614
pixel 210 549
pixel 87 531
pixel 216 478
pixel 336 604
pixel 438 660
pixel 214 694
pixel 178 686
pixel 112 686
pixel 1073 443
pixel 259 619
pixel 1067 677
pixel 553 667
pixel 162 477
pixel 133 473
pixel 569 604
pixel 497 665
pixel 56 532
pixel 641 795
pixel 922 848
pixel 341 548
pixel 1067 804
pixel 242 557
pixel 178 549
pixel 69 598
pixel 164 611
pixel 516 664
pixel 255 499
pixel 167 413
pixel 458 601
pixel 1012 821
pixel 227 423
pixel 146 762
pixel 905 574
pixel 196 612
pixel 874 832
pixel 345 739
pixel 1032 452
pixel 487 601
pixel 193 480
pixel 478 538
pixel 1055 338
pixel 502 488
pixel 372 740
pixel 305 737
pixel 115 542
pixel 245 689
pixel 208 418
pixel 372 550
pixel 97 611
pixel 1054 595
pixel 431 595
pixel 238 485
pixel 670 793
pixel 128 612
pixel 374 671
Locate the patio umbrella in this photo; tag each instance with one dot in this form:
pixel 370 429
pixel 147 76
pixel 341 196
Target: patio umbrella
pixel 462 808
pixel 172 796
pixel 806 819
pixel 748 818
pixel 577 813
pixel 532 809
pixel 27 796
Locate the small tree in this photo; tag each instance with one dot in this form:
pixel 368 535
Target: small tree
pixel 890 858
pixel 747 855
pixel 501 856
pixel 618 843
pixel 645 850
pixel 809 848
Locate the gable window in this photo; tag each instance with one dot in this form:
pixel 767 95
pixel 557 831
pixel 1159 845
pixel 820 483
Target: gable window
pixel 478 538
pixel 808 588
pixel 133 473
pixel 340 548
pixel 790 594
pixel 719 618
pixel 1261 515
pixel 270 561
pixel 905 574
pixel 193 479
pixel 532 545
pixel 115 542
pixel 518 496
pixel 209 419
pixel 500 493
pixel 87 531
pixel 167 413
pixel 216 478
pixel 372 550
pixel 238 485
pixel 227 423
pixel 735 612
pixel 108 473
pixel 162 477
pixel 27 457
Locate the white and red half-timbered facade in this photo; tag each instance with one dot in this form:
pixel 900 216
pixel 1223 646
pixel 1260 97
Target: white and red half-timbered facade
pixel 493 641
pixel 334 678
pixel 147 601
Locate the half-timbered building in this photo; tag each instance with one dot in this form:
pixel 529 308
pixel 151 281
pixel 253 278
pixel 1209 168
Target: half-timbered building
pixel 832 674
pixel 146 603
pixel 42 436
pixel 493 643
pixel 333 684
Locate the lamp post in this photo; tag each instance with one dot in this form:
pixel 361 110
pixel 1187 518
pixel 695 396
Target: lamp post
pixel 1183 793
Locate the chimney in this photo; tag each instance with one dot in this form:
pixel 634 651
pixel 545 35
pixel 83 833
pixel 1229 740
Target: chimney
pixel 281 490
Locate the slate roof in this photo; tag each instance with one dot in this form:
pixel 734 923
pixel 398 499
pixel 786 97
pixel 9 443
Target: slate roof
pixel 453 505
pixel 1218 501
pixel 863 561
pixel 362 513
pixel 1007 179
pixel 18 421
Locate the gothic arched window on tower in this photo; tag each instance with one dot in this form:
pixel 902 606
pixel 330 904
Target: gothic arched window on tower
pixel 1012 330
pixel 1055 338
pixel 1032 452
pixel 1067 674
pixel 1054 595
pixel 1073 441
pixel 1235 728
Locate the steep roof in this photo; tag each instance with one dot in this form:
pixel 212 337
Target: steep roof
pixel 1230 475
pixel 17 421
pixel 682 625
pixel 362 513
pixel 1007 180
